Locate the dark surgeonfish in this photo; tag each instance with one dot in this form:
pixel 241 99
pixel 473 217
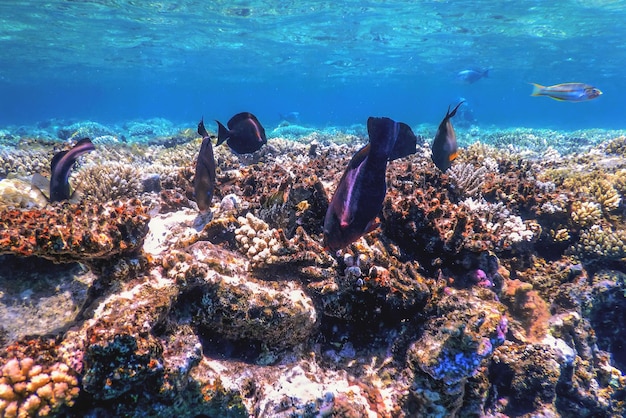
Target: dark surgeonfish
pixel 359 196
pixel 244 134
pixel 473 75
pixel 567 92
pixel 444 145
pixel 58 187
pixel 204 180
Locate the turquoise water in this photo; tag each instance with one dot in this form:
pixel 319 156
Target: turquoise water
pixel 334 62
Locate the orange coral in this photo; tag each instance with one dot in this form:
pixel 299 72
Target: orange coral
pixel 527 307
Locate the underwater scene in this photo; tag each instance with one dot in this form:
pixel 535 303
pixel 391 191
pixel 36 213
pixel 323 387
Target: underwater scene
pixel 255 208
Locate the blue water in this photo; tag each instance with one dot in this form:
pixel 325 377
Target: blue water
pixel 334 62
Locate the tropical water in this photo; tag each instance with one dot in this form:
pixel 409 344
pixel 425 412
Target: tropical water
pixel 495 287
pixel 336 63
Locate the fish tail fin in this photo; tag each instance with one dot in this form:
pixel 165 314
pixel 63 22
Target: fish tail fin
pixel 201 129
pixel 406 142
pixel 42 184
pixel 222 133
pixel 451 114
pixel 486 73
pixel 537 89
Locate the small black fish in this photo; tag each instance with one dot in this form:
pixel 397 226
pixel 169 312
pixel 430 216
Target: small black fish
pixel 444 145
pixel 362 188
pixel 58 187
pixel 204 180
pixel 244 134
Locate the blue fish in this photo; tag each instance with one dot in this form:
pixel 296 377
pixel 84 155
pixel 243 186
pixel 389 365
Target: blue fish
pixel 244 134
pixel 473 75
pixel 361 191
pixel 204 179
pixel 58 187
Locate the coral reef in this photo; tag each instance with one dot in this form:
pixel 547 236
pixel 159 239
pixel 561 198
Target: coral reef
pixel 28 389
pixel 496 289
pixel 109 181
pixel 18 194
pixel 74 232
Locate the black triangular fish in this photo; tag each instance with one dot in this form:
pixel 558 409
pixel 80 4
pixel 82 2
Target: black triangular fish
pixel 244 134
pixel 204 179
pixel 359 196
pixel 58 187
pixel 444 145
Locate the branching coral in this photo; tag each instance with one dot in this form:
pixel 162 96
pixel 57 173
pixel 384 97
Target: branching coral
pixel 597 186
pixel 467 179
pixel 498 220
pixel 617 146
pixel 110 181
pixel 23 162
pixel 600 242
pixel 28 389
pixel 586 213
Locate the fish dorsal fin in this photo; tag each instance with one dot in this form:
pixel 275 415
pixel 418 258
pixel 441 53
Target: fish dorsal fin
pixel 42 184
pixel 241 117
pixel 201 129
pixel 406 142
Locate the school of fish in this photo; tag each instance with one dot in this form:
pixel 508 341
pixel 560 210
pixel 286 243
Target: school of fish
pixel 358 198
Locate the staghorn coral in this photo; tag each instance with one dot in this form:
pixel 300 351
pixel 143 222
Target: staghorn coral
pixel 28 389
pixel 109 181
pixel 467 179
pixel 18 194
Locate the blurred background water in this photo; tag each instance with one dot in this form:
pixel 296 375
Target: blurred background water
pixel 335 62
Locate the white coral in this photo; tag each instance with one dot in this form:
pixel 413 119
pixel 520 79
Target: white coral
pixel 255 238
pixel 498 220
pixel 18 194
